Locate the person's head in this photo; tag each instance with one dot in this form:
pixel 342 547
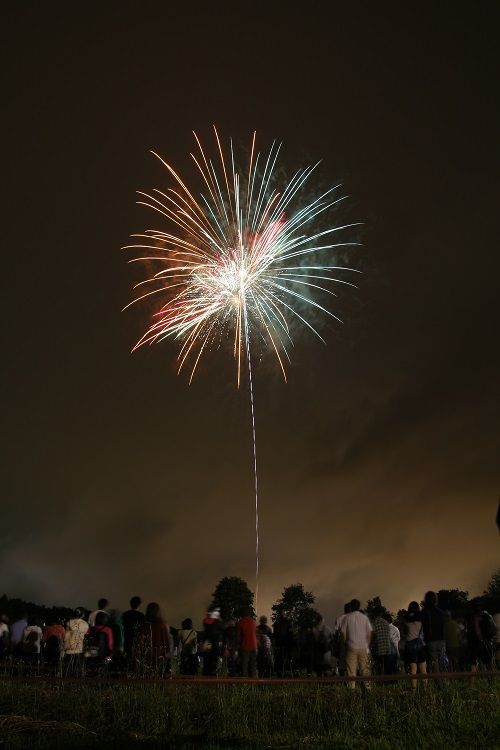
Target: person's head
pixel 187 624
pixel 135 602
pixel 78 613
pixel 246 612
pixel 377 612
pixel 153 612
pixel 102 603
pixel 413 608
pixel 263 620
pixel 355 605
pixel 32 620
pixel 101 618
pixel 282 614
pixel 4 619
pixel 387 617
pixel 347 608
pixel 430 599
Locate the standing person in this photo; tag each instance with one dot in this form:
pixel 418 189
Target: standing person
pixel 322 648
pixel 283 643
pixel 453 639
pixel 53 642
pixel 381 647
pixel 264 648
pixel 187 644
pixel 433 624
pixel 263 627
pixel 395 637
pixel 32 641
pixel 481 634
pixel 76 630
pixel 415 652
pixel 264 654
pixel 230 648
pixel 102 605
pixel 212 643
pixel 132 621
pixel 116 625
pixel 155 640
pixel 54 628
pixel 4 636
pixel 357 633
pixel 247 636
pixel 17 629
pixel 99 642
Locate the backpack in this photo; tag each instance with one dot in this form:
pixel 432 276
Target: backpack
pixel 487 627
pixel 189 644
pixel 96 645
pixel 31 645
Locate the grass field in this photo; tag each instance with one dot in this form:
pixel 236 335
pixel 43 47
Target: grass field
pixel 452 715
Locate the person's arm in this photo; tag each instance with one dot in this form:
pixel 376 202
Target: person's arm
pixel 109 635
pixel 371 633
pixel 343 628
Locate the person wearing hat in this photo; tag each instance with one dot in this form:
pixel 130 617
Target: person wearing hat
pixel 211 646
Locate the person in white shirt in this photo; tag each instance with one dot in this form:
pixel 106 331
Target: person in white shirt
pixel 357 633
pixel 4 635
pixel 4 628
pixel 101 607
pixel 76 630
pixel 32 639
pixel 395 637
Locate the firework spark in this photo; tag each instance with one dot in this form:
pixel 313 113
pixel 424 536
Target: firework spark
pixel 239 261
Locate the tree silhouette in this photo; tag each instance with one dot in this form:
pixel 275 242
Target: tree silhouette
pixel 492 592
pixel 454 600
pixel 297 604
pixel 374 607
pixel 231 596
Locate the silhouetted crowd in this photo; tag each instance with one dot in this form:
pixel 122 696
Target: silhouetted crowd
pixel 423 639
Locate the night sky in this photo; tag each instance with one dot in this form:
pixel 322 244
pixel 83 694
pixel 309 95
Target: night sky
pixel 379 460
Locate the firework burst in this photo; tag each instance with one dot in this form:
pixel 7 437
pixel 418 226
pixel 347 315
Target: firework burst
pixel 238 260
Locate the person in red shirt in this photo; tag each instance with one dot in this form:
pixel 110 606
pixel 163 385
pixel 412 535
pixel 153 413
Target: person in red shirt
pixel 100 641
pixel 54 628
pixel 247 635
pixel 53 642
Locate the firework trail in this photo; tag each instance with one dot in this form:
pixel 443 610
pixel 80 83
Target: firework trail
pixel 241 260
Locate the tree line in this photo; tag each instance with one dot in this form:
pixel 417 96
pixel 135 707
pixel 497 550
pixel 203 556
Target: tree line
pixel 232 596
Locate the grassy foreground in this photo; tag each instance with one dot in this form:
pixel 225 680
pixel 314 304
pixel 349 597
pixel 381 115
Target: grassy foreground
pixel 457 715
